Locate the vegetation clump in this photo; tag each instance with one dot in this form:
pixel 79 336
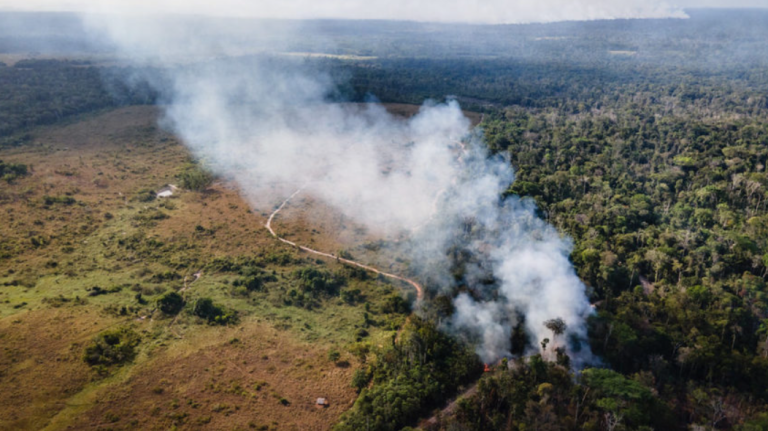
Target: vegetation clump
pixel 146 195
pixel 254 278
pixel 97 290
pixel 63 200
pixel 112 347
pixel 412 376
pixel 313 285
pixel 315 281
pixel 536 394
pixel 195 177
pixel 206 309
pixel 171 303
pixel 12 171
pixel 150 216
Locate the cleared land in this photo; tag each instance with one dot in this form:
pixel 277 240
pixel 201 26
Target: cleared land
pixel 85 248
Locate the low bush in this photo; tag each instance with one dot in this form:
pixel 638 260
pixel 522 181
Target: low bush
pixel 194 177
pixel 112 347
pixel 63 200
pixel 254 281
pixel 206 309
pixel 11 171
pixel 319 282
pixel 146 195
pixel 170 303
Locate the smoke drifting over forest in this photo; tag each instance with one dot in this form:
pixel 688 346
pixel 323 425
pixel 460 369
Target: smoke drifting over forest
pixel 266 120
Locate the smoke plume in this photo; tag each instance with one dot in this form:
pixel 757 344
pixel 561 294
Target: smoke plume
pixel 266 121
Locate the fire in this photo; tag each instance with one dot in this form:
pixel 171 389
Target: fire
pixel 487 368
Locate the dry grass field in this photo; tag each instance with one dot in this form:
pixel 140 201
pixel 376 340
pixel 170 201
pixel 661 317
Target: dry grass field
pixel 84 248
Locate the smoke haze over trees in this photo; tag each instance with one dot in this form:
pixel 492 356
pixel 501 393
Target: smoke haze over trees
pixel 266 120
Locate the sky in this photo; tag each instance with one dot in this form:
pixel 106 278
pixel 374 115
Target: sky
pixel 723 4
pixel 476 11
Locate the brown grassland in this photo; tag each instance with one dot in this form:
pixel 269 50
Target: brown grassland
pixel 85 218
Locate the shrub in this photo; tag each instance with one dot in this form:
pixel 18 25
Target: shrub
pixel 360 380
pixel 315 281
pixel 395 304
pixel 146 195
pixel 11 171
pixel 196 178
pixel 351 296
pixel 170 303
pixel 111 417
pixel 215 314
pixel 150 216
pixel 164 276
pixel 254 281
pixel 112 347
pixel 52 200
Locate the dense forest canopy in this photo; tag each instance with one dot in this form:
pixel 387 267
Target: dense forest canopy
pixel 644 141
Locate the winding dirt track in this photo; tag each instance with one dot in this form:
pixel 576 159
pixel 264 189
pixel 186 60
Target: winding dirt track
pixel 415 285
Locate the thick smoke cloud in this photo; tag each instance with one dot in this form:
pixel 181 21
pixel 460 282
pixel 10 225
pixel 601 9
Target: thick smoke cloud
pixel 484 11
pixel 265 121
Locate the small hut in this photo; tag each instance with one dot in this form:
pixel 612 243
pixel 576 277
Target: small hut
pixel 321 403
pixel 166 191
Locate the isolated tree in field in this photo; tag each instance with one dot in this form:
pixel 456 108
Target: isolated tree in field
pixel 170 303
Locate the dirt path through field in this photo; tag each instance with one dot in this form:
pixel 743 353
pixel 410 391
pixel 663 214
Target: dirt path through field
pixel 415 285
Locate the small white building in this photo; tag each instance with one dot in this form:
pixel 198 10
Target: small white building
pixel 166 191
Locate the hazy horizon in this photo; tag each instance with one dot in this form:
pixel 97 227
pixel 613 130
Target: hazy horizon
pixel 458 11
pixel 449 11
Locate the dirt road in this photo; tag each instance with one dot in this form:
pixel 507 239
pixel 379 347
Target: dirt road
pixel 415 285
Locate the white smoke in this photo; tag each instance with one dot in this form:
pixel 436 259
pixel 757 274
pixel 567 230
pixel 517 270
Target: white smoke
pixel 265 121
pixel 518 270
